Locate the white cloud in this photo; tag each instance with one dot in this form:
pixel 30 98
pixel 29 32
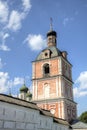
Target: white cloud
pixel 16 17
pixel 1 64
pixel 11 20
pixel 17 81
pixel 3 37
pixel 4 11
pixel 35 42
pixel 26 5
pixel 3 47
pixel 4 77
pixel 6 83
pixel 82 80
pixel 14 21
pixel 67 20
pixel 81 85
pixel 83 93
pixel 6 35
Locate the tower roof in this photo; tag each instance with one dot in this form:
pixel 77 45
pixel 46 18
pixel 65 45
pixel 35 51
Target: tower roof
pixel 52 33
pixel 23 88
pixel 78 125
pixel 54 52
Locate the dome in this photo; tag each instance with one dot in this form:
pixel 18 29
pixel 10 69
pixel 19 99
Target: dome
pixel 51 32
pixel 24 88
pixel 54 52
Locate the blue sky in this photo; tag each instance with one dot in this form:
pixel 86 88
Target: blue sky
pixel 23 28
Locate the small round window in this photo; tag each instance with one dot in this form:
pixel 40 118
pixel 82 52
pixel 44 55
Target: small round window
pixel 46 54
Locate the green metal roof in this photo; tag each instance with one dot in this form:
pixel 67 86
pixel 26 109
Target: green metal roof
pixel 55 52
pixel 29 95
pixel 51 33
pixel 79 125
pixel 23 88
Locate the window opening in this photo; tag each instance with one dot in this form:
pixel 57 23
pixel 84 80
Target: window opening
pixel 46 69
pixel 46 54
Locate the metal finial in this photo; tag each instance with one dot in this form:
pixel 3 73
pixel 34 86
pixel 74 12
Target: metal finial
pixel 24 80
pixel 51 25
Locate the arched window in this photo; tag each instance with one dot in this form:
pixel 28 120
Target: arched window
pixel 46 69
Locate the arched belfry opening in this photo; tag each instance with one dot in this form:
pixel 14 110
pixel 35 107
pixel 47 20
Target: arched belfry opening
pixel 46 69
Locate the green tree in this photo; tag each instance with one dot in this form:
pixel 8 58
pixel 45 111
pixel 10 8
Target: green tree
pixel 83 117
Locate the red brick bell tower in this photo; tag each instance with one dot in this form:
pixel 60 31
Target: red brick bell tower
pixel 52 80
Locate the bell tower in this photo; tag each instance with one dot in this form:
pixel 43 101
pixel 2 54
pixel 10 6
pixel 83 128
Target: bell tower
pixel 52 80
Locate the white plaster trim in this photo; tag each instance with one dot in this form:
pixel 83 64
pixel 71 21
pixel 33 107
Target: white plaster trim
pixel 33 90
pixel 33 70
pixel 36 91
pixel 60 86
pixel 62 110
pixel 59 109
pixel 60 65
pixel 57 87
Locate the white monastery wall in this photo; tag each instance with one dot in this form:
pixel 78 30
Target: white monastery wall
pixel 16 117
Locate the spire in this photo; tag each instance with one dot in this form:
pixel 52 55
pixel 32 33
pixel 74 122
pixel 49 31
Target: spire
pixel 24 80
pixel 51 24
pixel 51 31
pixel 10 91
pixel 51 35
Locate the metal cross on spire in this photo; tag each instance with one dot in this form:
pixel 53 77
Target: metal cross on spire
pixel 51 25
pixel 24 80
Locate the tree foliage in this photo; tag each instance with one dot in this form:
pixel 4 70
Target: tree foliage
pixel 83 117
